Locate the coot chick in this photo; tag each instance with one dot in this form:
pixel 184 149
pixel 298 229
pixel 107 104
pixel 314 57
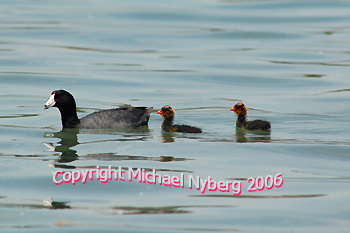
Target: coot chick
pixel 112 118
pixel 168 114
pixel 241 112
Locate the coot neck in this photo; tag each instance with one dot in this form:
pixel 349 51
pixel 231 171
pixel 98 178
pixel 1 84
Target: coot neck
pixel 167 124
pixel 69 116
pixel 241 121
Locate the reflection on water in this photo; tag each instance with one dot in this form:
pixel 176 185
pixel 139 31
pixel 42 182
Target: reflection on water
pixel 253 135
pixel 168 136
pixel 56 204
pixel 171 136
pixel 118 157
pixel 149 210
pixel 125 210
pixel 69 139
pixel 47 204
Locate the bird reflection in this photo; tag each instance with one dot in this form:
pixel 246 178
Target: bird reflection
pixel 56 204
pixel 253 135
pixel 68 139
pixel 168 136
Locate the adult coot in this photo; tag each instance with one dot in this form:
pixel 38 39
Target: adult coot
pixel 112 118
pixel 168 114
pixel 241 112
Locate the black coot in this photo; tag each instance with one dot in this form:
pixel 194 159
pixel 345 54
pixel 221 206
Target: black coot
pixel 112 118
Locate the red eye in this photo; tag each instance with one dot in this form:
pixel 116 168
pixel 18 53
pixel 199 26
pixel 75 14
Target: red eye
pixel 59 96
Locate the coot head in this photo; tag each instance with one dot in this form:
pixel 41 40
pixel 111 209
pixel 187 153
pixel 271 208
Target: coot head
pixel 166 112
pixel 59 99
pixel 240 109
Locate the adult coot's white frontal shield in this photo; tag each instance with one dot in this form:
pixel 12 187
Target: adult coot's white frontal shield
pixel 51 102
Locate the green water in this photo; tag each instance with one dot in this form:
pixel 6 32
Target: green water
pixel 288 61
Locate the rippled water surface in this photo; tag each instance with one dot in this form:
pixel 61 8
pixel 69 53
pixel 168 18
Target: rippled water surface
pixel 288 61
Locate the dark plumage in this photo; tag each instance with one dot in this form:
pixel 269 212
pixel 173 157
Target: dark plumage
pixel 241 112
pixel 168 114
pixel 112 118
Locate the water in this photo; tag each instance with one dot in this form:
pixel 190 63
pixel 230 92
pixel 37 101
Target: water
pixel 288 61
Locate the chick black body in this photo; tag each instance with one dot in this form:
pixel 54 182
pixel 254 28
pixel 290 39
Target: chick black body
pixel 242 122
pixel 168 114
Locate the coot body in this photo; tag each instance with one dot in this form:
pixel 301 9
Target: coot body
pixel 112 118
